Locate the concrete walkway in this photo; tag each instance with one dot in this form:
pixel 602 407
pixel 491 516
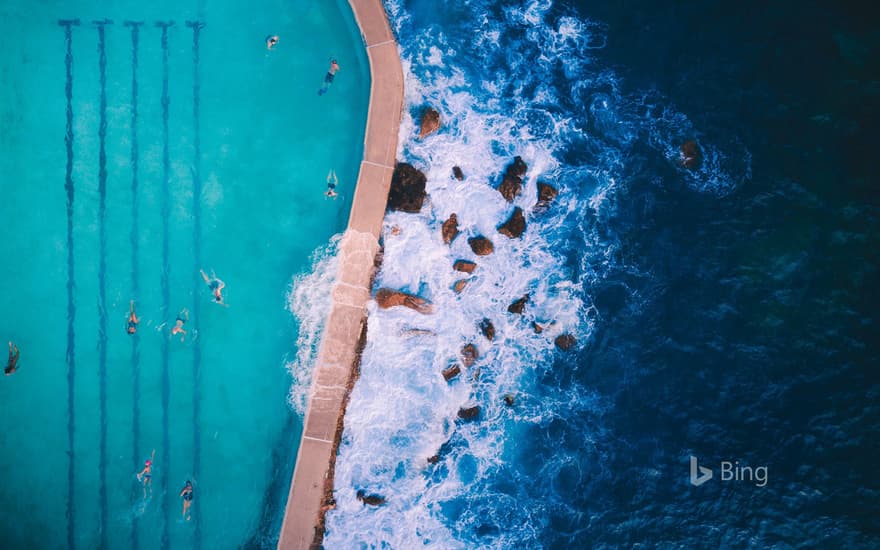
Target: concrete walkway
pixel 337 355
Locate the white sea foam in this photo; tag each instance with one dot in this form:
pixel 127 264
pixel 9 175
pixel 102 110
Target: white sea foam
pixel 499 94
pixel 309 301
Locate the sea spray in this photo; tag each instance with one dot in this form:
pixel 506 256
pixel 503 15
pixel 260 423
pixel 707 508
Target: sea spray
pixel 309 301
pixel 507 80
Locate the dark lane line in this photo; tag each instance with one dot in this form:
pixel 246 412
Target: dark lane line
pixel 196 27
pixel 102 279
pixel 166 289
pixel 71 307
pixel 135 263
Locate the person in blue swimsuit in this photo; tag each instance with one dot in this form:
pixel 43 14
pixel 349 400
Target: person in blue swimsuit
pixel 146 475
pixel 187 494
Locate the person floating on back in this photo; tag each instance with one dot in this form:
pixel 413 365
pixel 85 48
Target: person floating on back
pixel 182 317
pixel 216 286
pixel 12 362
pixel 146 475
pixel 331 185
pixel 132 319
pixel 328 78
pixel 271 40
pixel 187 494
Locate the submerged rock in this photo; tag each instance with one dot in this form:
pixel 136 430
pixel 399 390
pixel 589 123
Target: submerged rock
pixel 565 341
pixel 488 329
pixel 469 413
pixel 450 228
pixel 509 400
pixel 469 355
pixel 451 372
pixel 372 500
pixel 430 122
pixel 465 266
pixel 546 194
pixel 519 305
pixel 515 226
pixel 481 245
pixel 459 285
pixel 407 189
pixel 457 173
pixel 387 298
pixel 690 154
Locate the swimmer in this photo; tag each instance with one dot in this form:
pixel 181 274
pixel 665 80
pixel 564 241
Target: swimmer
pixel 271 40
pixel 215 284
pixel 328 78
pixel 331 72
pixel 331 185
pixel 12 362
pixel 146 475
pixel 132 319
pixel 187 494
pixel 182 317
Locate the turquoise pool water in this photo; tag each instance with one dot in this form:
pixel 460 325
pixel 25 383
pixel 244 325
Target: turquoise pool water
pixel 233 184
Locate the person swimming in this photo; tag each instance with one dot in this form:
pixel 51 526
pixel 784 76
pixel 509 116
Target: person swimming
pixel 271 41
pixel 187 494
pixel 331 72
pixel 332 182
pixel 12 362
pixel 146 475
pixel 132 319
pixel 216 286
pixel 182 318
pixel 328 78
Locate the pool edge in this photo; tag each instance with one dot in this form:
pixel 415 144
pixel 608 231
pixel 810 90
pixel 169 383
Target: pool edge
pixel 338 356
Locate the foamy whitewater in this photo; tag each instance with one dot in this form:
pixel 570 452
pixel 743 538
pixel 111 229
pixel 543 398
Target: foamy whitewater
pixel 507 81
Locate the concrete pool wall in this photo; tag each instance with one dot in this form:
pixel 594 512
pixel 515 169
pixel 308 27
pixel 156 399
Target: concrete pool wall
pixel 338 353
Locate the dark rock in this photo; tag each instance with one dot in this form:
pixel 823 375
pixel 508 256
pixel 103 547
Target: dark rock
pixel 517 168
pixel 565 341
pixel 465 266
pixel 430 122
pixel 433 459
pixel 469 413
pixel 488 329
pixel 372 500
pixel 518 306
pixel 451 372
pixel 407 189
pixel 509 399
pixel 387 298
pixel 515 226
pixel 449 229
pixel 469 354
pixel 546 193
pixel 538 328
pixel 457 173
pixel 459 285
pixel 481 245
pixel 690 155
pixel 510 187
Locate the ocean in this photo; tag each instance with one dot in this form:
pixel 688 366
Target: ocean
pixel 721 313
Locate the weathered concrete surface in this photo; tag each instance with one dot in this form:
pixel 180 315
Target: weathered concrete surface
pixel 338 352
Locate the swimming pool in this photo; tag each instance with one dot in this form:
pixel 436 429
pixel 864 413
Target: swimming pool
pixel 135 154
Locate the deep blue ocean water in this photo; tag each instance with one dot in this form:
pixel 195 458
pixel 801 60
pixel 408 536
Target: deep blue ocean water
pixel 726 313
